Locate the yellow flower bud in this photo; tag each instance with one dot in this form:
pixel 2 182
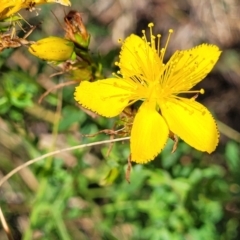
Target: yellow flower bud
pixel 53 49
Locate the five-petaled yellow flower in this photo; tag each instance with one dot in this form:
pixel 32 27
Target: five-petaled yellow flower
pixel 145 77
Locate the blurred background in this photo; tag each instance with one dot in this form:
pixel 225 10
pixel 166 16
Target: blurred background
pixel 83 194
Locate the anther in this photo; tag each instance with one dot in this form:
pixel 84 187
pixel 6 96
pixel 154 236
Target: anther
pixel 202 91
pixel 150 25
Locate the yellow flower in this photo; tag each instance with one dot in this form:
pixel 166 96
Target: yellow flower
pixel 9 7
pixel 145 77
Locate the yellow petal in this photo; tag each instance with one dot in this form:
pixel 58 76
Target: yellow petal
pixel 149 134
pixel 107 97
pixel 9 7
pixel 137 58
pixel 186 68
pixel 62 2
pixel 192 122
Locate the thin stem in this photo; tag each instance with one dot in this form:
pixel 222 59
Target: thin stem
pixel 17 169
pixel 5 226
pixel 60 85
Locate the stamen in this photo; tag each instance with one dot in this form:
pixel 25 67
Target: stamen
pixel 162 52
pixel 139 80
pixel 201 91
pixel 158 44
pixel 166 45
pixel 153 42
pixel 152 37
pixel 116 75
pixel 144 35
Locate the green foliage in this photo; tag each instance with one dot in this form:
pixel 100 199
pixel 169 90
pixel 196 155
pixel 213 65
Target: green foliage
pixel 158 203
pixel 17 91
